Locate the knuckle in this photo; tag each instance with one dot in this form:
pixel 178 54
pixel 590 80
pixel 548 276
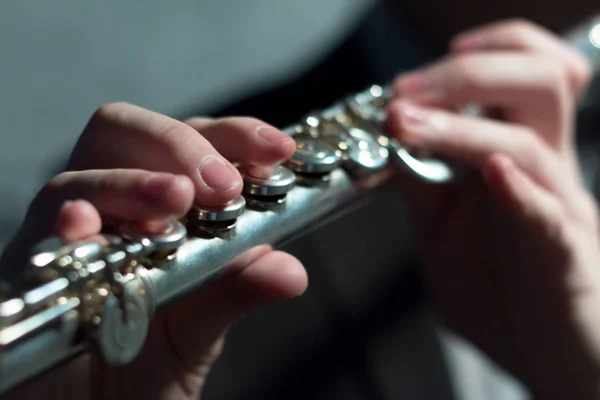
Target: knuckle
pixel 198 122
pixel 194 120
pixel 108 111
pixel 172 137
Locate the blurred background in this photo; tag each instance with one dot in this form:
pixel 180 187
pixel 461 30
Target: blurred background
pixel 363 330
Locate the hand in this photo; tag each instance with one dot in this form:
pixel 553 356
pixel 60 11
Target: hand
pixel 511 256
pixel 131 164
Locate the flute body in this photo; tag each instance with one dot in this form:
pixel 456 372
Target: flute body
pixel 101 297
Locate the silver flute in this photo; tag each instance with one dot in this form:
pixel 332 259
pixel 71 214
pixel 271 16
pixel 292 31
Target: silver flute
pixel 100 296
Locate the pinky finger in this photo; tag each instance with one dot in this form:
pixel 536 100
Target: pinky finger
pixel 521 196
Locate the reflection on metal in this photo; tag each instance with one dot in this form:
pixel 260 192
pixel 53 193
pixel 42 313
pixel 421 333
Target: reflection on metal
pixel 595 35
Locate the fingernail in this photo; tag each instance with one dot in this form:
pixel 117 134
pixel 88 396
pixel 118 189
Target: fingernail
pixel 156 186
pixel 274 137
pixel 217 174
pixel 271 135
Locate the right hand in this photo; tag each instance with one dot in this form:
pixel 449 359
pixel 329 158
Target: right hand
pixel 131 164
pixel 512 256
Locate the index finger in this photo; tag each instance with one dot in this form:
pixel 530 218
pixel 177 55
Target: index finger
pixel 121 135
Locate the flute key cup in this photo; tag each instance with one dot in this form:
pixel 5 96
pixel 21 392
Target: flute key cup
pixel 266 187
pixel 216 222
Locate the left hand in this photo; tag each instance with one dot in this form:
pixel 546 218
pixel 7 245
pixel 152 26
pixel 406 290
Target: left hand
pixel 131 164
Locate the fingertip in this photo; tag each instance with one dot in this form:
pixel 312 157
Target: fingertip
pixel 217 182
pixel 172 193
pixel 279 146
pixel 293 276
pixel 181 194
pixel 288 147
pixel 274 277
pixel 77 220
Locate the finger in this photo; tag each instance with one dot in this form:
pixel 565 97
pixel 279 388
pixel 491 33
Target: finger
pixel 246 140
pixel 123 194
pixel 122 135
pixel 473 140
pixel 196 326
pixel 529 89
pixel 522 197
pixel 526 36
pixel 77 220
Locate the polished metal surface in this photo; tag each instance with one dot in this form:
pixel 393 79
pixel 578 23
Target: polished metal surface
pixel 11 311
pixel 45 293
pixel 123 327
pixel 313 156
pixel 368 155
pixel 430 170
pixel 198 260
pixel 168 239
pixel 267 181
pixel 370 105
pixel 595 35
pixel 234 209
pixel 63 255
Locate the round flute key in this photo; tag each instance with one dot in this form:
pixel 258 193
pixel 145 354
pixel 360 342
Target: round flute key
pixel 370 104
pixel 231 211
pixel 313 156
pixel 368 154
pixel 267 181
pixel 172 235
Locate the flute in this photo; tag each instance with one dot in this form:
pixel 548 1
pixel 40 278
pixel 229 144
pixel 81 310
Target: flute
pixel 100 297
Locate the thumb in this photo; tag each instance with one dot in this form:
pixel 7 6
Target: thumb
pixel 258 277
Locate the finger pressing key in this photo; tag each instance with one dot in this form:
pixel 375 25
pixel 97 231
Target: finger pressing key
pixel 246 140
pixel 126 195
pixel 121 135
